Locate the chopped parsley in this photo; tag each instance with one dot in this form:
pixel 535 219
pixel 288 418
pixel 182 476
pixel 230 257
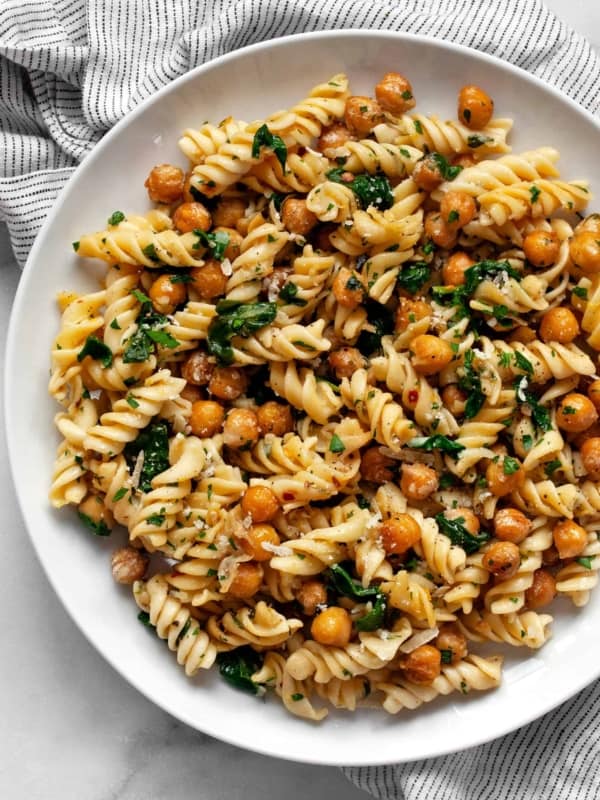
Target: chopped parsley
pixel 264 138
pixel 289 294
pixel 116 217
pixel 96 349
pixel 580 291
pixel 551 467
pixel 523 363
pixel 453 216
pixel 476 140
pixel 216 242
pixel 156 519
pixel 436 442
pixel 144 618
pixel 447 656
pixel 236 319
pixel 413 276
pixel 534 192
pixel 446 170
pixel 336 445
pixel 585 561
pixel 99 528
pixel 510 465
pixel 120 494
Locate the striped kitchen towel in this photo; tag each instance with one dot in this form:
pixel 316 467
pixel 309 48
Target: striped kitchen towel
pixel 70 69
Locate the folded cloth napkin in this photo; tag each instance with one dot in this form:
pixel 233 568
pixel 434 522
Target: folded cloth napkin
pixel 70 69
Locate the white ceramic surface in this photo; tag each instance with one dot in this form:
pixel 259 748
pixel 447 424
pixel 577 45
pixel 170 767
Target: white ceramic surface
pixel 112 178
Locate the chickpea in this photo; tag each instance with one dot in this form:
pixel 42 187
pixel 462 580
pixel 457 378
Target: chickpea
pixel 541 248
pixel 247 579
pixel 451 639
pixel 502 559
pixel 466 518
pixel 464 160
pixel 576 413
pixel 209 280
pixel 260 503
pixel 241 428
pixel 128 565
pixel 394 93
pixel 511 525
pixel 256 536
pixel 348 288
pixel 590 456
pixel 457 208
pixel 585 252
pixel 228 383
pixel 332 626
pixel 191 393
pixel 427 173
pixel 475 107
pixel 559 325
pixel 165 184
pixel 94 509
pixel 590 223
pixel 409 312
pixel 333 137
pixel 453 271
pixel 275 418
pixel 430 354
pixel 594 393
pixel 398 534
pixel 311 594
pixel 166 295
pixel 234 247
pixel 321 236
pixel 570 539
pixel 362 114
pixel 550 557
pixel 206 418
pixel 197 369
pixel 423 665
pixel 346 361
pixel 523 334
pixel 439 231
pixel 542 591
pixel 296 217
pixel 418 481
pixel 192 216
pixel 499 482
pixel 455 399
pixel 228 210
pixel 376 467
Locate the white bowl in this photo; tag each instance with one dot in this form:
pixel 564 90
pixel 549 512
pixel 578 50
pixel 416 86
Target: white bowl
pixel 248 84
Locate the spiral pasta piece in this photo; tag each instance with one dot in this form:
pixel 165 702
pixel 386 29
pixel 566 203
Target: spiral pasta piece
pixel 577 579
pixel 273 344
pixel 310 275
pixel 539 199
pixel 190 325
pixel 261 626
pixel 429 133
pixel 302 389
pixel 368 155
pixel 144 247
pixel 295 695
pixel 525 629
pixel 258 252
pixel 198 143
pixel 300 174
pixel 332 202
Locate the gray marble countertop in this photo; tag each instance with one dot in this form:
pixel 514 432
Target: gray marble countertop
pixel 71 728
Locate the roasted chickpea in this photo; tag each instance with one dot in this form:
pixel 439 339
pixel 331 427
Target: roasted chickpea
pixel 333 137
pixel 228 383
pixel 362 114
pixel 128 565
pixel 228 210
pixel 453 271
pixel 427 173
pixel 570 539
pixel 455 399
pixel 209 280
pixel 409 312
pixel 275 418
pixel 234 246
pixel 348 288
pixel 576 413
pixel 260 503
pixel 594 393
pixel 541 248
pixel 475 107
pixel 590 223
pixel 310 595
pixel 257 536
pixel 585 252
pixel 165 184
pixel 320 238
pixel 192 216
pixel 94 509
pixel 464 160
pixel 542 591
pixel 346 361
pixel 423 665
pixel 241 428
pixel 398 534
pixel 394 93
pixel 511 525
pixel 247 579
pixel 332 626
pixel 430 354
pixel 197 369
pixel 466 518
pixel 590 456
pixel 451 640
pixel 206 418
pixel 502 559
pixel 418 481
pixel 504 476
pixel 166 295
pixel 439 231
pixel 457 208
pixel 523 334
pixel 191 393
pixel 296 217
pixel 376 467
pixel 559 325
pixel 550 557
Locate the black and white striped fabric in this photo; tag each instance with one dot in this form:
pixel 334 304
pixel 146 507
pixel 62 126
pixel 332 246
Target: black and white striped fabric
pixel 70 69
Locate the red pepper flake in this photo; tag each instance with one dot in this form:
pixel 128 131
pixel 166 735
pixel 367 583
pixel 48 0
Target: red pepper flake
pixel 413 396
pixel 289 496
